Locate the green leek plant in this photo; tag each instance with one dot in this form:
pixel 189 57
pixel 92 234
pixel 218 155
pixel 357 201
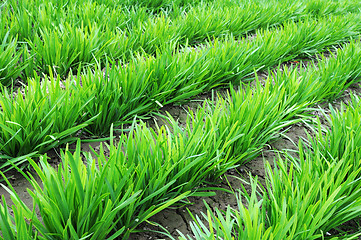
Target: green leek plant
pixel 76 201
pixel 44 116
pixel 143 85
pixel 21 19
pixel 27 18
pixel 305 196
pixel 256 116
pixel 115 99
pixel 56 30
pixel 66 47
pixel 326 81
pixel 259 113
pixel 300 203
pixel 241 223
pixel 161 168
pixel 10 66
pixel 122 93
pixel 329 173
pixel 167 163
pixel 14 227
pixel 198 25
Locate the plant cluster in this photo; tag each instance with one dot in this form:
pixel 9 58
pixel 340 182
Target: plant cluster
pixel 110 63
pixel 305 196
pixel 100 98
pixel 68 35
pixel 149 170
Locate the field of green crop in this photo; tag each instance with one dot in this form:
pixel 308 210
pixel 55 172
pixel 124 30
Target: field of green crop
pixel 85 71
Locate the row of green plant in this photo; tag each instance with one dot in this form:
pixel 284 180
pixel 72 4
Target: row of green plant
pixel 153 7
pixel 26 18
pixel 157 6
pixel 49 112
pixel 159 167
pixel 149 170
pixel 40 35
pixel 305 196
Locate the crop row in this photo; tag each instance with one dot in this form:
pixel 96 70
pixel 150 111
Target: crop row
pixel 39 36
pixel 306 196
pixel 151 6
pixel 150 170
pixel 47 113
pixel 27 18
